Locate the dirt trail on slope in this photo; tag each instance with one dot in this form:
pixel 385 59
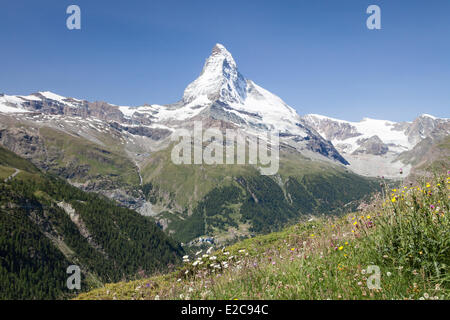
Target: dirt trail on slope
pixel 13 175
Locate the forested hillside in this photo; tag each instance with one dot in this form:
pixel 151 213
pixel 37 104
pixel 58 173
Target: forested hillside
pixel 47 225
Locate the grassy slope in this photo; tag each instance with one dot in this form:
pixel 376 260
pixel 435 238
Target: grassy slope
pixel 406 236
pixel 428 156
pixel 71 153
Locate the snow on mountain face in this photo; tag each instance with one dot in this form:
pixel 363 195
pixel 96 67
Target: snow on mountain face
pixel 20 104
pixel 11 104
pixel 372 146
pixel 222 92
pixel 349 135
pixel 219 80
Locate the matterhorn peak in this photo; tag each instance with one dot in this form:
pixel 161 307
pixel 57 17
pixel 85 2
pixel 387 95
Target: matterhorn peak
pixel 220 53
pixel 219 79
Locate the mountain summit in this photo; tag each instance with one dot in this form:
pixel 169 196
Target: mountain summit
pixel 219 79
pixel 221 92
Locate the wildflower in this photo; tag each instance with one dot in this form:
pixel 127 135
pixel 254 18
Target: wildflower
pixel 292 249
pixel 157 297
pixel 368 217
pixel 394 199
pixel 420 252
pixel 346 242
pixel 341 248
pixel 187 271
pixel 312 235
pixel 185 257
pixel 426 295
pixel 363 271
pixel 355 223
pixel 388 274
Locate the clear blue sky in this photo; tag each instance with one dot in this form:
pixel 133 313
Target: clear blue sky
pixel 317 55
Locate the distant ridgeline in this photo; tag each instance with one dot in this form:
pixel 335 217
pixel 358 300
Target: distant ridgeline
pixel 47 225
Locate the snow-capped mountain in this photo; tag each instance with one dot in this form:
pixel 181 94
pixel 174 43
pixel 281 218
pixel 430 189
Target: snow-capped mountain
pixel 371 146
pixel 223 93
pixel 220 93
pixel 222 96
